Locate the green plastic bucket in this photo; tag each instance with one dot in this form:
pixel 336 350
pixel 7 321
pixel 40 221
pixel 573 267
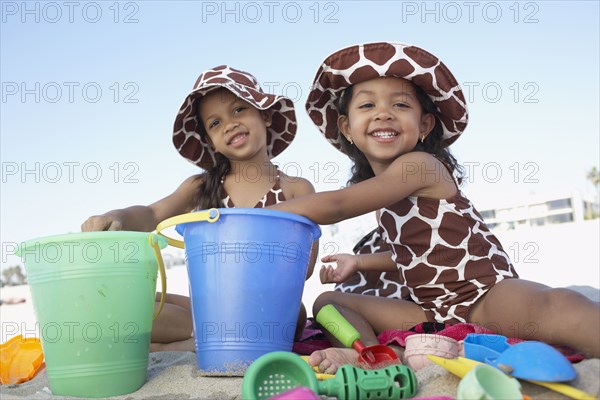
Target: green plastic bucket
pixel 93 295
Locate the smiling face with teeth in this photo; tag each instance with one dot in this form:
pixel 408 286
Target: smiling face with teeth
pixel 234 127
pixel 385 120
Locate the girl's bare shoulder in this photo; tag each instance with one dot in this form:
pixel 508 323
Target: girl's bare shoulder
pixel 428 176
pixel 179 201
pixel 188 187
pixel 192 182
pixel 295 186
pixel 421 158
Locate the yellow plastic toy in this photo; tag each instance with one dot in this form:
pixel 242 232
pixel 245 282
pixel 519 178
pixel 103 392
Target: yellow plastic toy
pixel 20 359
pixel 460 366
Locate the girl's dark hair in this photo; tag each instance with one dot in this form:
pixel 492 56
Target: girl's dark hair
pixel 433 143
pixel 210 189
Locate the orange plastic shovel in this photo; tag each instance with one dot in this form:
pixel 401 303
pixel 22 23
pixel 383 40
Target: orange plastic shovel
pixel 20 359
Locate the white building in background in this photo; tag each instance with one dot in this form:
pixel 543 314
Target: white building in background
pixel 537 211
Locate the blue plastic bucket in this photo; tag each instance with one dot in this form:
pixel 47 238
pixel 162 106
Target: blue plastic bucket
pixel 247 269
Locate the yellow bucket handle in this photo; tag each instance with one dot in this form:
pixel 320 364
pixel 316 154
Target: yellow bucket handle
pixel 163 274
pixel 209 215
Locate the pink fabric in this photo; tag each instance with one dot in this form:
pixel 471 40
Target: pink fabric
pixel 456 332
pixel 312 340
pixel 309 332
pixel 307 347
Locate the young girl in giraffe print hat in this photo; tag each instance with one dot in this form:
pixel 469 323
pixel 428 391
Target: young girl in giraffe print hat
pixel 230 128
pixel 394 109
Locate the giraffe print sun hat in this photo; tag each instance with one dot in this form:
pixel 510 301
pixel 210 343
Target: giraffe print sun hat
pixel 189 136
pixel 359 63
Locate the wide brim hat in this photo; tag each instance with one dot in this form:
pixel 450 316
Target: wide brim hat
pixel 364 62
pixel 189 136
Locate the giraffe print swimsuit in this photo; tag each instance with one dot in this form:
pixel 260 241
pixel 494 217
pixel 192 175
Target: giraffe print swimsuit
pixel 273 196
pixel 446 255
pixel 374 283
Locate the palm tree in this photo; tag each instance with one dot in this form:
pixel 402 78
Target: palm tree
pixel 13 276
pixel 593 176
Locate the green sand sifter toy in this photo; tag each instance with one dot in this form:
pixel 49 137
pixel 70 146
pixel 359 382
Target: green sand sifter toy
pixel 280 371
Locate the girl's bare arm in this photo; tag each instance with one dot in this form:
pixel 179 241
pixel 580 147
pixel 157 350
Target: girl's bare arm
pixel 145 218
pixel 299 187
pixel 403 178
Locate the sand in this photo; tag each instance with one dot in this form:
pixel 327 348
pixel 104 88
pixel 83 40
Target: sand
pixel 174 375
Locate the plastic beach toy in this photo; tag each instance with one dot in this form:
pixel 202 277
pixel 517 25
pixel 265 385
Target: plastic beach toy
pixel 488 383
pixel 20 359
pixel 461 366
pixel 419 345
pixel 526 360
pixel 478 347
pixel 297 393
pixel 375 356
pixel 247 269
pixel 280 371
pixel 93 295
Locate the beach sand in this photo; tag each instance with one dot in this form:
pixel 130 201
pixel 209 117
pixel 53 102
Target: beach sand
pixel 174 375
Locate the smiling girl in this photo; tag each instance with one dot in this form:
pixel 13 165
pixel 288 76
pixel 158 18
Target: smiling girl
pixel 230 128
pixel 394 109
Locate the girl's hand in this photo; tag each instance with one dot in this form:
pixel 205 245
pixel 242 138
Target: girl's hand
pixel 347 264
pixel 102 223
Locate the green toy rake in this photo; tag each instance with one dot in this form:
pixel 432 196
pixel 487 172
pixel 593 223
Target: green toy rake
pixel 280 371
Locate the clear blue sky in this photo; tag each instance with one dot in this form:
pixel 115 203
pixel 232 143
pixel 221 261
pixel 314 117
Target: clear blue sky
pixel 93 88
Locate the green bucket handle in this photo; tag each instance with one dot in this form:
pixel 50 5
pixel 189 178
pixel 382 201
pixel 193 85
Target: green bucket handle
pixel 211 216
pixel 163 275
